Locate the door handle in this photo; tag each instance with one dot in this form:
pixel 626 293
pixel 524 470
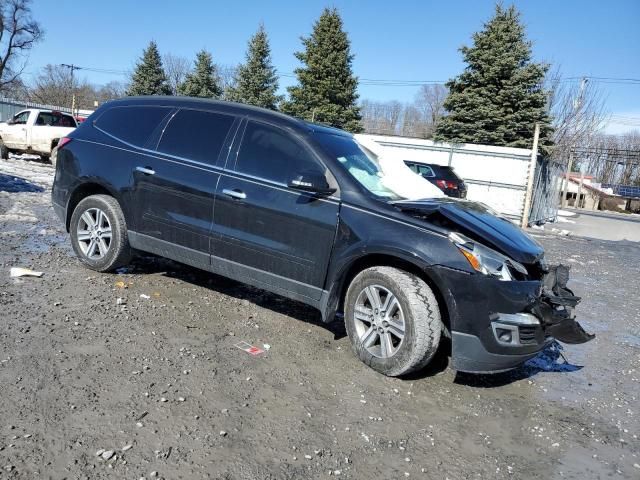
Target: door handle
pixel 235 194
pixel 146 170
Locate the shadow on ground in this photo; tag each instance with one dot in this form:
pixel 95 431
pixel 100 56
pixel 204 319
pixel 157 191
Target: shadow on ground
pixel 226 286
pixel 550 359
pixel 11 184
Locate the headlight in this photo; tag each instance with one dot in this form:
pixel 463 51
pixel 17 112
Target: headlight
pixel 485 260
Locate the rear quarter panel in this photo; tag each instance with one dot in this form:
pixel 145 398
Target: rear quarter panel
pixel 83 162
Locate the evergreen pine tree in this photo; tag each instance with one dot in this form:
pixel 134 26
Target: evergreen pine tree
pixel 204 80
pixel 499 96
pixel 148 77
pixel 256 82
pixel 326 90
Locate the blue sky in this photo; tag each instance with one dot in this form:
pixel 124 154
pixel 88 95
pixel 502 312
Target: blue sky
pixel 407 40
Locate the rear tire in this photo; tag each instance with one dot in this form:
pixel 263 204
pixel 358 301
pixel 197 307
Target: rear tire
pixel 405 307
pixel 99 233
pixel 4 151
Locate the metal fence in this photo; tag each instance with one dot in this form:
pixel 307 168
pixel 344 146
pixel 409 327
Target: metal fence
pixel 546 191
pixel 496 176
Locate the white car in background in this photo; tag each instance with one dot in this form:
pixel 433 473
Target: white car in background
pixel 35 131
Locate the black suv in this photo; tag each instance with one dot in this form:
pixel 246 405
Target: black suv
pixel 442 176
pixel 303 211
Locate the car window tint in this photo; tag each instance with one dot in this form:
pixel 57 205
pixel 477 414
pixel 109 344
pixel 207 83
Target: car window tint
pixel 271 153
pixel 447 173
pixel 196 135
pixel 425 170
pixel 132 124
pixel 21 119
pixel 55 119
pixel 412 166
pixel 66 121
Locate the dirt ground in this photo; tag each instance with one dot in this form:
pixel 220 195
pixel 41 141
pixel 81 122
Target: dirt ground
pixel 145 359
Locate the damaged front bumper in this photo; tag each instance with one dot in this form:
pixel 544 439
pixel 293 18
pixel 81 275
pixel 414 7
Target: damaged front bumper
pixel 556 308
pixel 498 325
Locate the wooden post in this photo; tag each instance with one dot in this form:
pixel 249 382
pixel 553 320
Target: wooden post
pixel 532 173
pixel 579 204
pixel 565 188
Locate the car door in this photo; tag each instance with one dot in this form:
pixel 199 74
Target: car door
pixel 174 189
pixel 15 134
pixel 264 232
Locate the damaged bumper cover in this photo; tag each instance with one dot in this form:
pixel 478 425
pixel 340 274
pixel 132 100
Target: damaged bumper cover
pixel 498 325
pixel 555 308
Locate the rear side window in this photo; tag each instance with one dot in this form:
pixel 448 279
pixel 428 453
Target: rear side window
pixel 270 153
pixel 133 125
pixel 196 135
pixel 412 166
pixel 54 119
pixel 425 170
pixel 447 173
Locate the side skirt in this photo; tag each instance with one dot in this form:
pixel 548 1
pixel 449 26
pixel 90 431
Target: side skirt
pixel 302 292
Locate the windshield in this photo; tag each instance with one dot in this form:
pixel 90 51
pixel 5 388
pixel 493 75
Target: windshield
pixel 361 164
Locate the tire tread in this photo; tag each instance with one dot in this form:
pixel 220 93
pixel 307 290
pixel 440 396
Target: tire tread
pixel 425 312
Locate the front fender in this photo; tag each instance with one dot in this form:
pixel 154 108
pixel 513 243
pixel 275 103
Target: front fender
pixel 362 240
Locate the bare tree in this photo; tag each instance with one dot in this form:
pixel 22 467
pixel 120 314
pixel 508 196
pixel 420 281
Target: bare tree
pixel 176 69
pixel 110 91
pixel 18 34
pixel 381 117
pixel 430 103
pixel 53 86
pixel 413 124
pixel 578 110
pixel 611 158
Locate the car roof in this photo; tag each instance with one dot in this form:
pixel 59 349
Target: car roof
pixel 231 107
pixel 417 162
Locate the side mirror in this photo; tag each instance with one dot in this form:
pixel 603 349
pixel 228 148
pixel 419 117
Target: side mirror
pixel 10 121
pixel 312 182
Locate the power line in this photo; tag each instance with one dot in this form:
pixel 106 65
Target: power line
pixel 381 82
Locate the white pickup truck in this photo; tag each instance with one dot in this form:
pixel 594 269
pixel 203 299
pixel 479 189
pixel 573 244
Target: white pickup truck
pixel 34 131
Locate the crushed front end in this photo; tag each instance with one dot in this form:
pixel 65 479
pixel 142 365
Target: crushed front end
pixel 504 303
pixel 498 325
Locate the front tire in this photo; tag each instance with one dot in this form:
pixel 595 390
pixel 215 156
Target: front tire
pixel 393 320
pixel 99 233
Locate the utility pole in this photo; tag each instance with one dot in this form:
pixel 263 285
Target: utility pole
pixel 565 187
pixel 532 173
pixel 579 204
pixel 72 67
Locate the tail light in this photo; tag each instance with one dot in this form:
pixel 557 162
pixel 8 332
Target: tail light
pixel 447 184
pixel 63 141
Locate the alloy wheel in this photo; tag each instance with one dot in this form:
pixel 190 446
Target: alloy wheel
pixel 94 233
pixel 379 321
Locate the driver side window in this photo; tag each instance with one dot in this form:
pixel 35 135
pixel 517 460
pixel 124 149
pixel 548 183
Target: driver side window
pixel 21 118
pixel 270 153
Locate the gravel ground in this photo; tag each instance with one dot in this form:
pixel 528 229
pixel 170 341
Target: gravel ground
pixel 140 367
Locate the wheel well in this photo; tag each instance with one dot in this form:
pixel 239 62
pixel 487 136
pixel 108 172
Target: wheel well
pixel 381 260
pixel 83 191
pixel 54 143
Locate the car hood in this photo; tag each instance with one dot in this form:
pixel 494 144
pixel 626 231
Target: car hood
pixel 480 220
